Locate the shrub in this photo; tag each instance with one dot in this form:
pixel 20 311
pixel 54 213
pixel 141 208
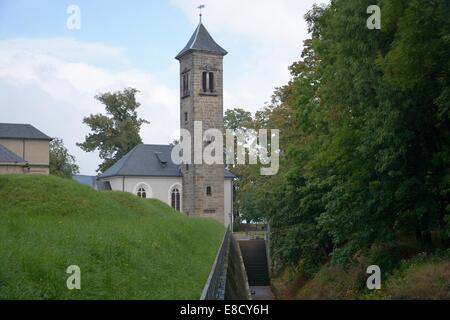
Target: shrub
pixel 425 281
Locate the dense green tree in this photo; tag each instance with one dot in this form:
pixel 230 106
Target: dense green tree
pixel 365 140
pixel 62 163
pixel 238 118
pixel 117 132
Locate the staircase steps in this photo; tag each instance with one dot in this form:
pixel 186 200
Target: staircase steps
pixel 255 261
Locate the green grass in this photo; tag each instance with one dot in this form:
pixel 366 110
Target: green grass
pixel 126 247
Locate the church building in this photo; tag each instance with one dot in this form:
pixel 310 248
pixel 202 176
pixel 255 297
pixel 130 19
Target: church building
pixel 148 171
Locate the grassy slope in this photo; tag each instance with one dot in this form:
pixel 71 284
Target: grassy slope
pixel 127 248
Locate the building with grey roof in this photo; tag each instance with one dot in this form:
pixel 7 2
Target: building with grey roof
pixel 7 156
pixel 145 160
pixel 148 170
pixel 21 131
pixel 23 149
pixel 158 163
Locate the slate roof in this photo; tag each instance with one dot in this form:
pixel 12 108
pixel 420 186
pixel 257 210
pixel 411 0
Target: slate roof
pixel 148 160
pixel 21 131
pixel 90 181
pixel 202 41
pixel 7 156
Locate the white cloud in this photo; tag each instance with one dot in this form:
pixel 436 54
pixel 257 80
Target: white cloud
pixel 54 89
pixel 275 29
pixel 67 49
pixel 272 22
pixel 51 82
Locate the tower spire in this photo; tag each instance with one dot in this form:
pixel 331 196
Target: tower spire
pixel 201 41
pixel 200 7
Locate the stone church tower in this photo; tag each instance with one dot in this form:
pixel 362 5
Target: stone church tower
pixel 201 82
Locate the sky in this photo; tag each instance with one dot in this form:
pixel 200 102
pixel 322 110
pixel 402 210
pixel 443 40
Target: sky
pixel 50 74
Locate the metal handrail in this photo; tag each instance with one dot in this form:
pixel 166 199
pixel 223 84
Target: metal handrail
pixel 214 288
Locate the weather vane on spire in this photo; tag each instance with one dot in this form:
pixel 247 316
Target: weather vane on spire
pixel 200 7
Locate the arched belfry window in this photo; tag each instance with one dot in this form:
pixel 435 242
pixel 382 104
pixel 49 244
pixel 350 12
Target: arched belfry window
pixel 176 198
pixel 208 82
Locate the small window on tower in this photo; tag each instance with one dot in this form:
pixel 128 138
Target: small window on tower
pixel 208 191
pixel 211 82
pixel 186 117
pixel 205 81
pixel 185 84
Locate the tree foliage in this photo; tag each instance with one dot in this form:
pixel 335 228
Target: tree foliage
pixel 117 132
pixel 62 163
pixel 365 135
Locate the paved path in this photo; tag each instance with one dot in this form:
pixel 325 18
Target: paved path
pixel 262 293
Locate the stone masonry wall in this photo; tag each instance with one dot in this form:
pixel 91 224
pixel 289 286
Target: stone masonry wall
pixel 207 108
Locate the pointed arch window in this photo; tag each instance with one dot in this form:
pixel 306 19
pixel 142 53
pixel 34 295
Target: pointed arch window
pixel 176 199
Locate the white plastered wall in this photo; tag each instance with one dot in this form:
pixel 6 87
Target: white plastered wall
pixel 160 188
